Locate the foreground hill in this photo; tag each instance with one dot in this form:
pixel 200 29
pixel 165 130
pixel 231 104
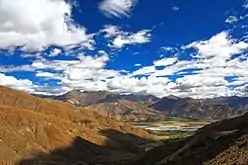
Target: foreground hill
pixel 217 108
pixel 224 142
pixel 121 107
pixel 31 127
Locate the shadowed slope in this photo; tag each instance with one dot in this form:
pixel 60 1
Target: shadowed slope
pixel 84 152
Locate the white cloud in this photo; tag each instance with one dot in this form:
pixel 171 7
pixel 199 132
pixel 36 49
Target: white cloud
pixel 200 80
pixel 212 64
pixel 37 24
pixel 246 4
pixel 121 38
pixel 140 37
pixel 86 70
pixel 19 84
pixel 175 8
pixel 143 85
pixel 231 20
pixel 74 73
pixel 167 48
pixel 165 62
pixel 117 8
pixel 204 92
pixel 137 64
pixel 111 31
pixel 11 68
pixel 220 45
pixel 48 75
pixel 83 61
pixel 146 70
pixel 55 52
pixel 85 85
pixel 50 90
pixel 204 76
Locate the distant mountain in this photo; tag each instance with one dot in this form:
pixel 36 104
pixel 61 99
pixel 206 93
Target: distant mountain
pixel 45 131
pixel 234 102
pixel 122 107
pixel 224 143
pixel 150 108
pixel 127 110
pixel 217 108
pixel 79 98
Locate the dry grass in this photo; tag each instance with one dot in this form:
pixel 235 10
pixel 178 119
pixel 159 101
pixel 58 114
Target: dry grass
pixel 30 125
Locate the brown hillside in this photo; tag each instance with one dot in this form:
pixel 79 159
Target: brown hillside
pixel 127 111
pixel 121 107
pixel 31 126
pixel 62 110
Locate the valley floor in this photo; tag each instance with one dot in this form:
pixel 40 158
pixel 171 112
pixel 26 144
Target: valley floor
pixel 173 128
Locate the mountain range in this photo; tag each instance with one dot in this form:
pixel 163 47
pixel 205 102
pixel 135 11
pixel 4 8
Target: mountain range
pixel 216 108
pixel 121 107
pixel 150 108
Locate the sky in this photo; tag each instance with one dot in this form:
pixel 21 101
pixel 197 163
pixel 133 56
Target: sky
pixel 190 48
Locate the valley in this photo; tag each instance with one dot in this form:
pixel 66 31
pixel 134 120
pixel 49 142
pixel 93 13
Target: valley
pixel 172 128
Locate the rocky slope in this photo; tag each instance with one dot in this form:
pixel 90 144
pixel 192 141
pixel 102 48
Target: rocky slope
pixel 224 142
pixel 127 111
pixel 44 131
pixel 217 108
pixel 121 107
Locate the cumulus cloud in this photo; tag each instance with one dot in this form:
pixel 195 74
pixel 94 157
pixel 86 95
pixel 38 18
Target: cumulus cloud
pixel 117 8
pixel 231 19
pixel 19 84
pixel 143 85
pixel 84 71
pixel 35 25
pixel 215 59
pixel 55 52
pixel 140 37
pixel 221 45
pixel 199 80
pixel 121 38
pixel 205 76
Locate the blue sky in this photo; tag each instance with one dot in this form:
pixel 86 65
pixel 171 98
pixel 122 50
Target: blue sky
pixel 188 48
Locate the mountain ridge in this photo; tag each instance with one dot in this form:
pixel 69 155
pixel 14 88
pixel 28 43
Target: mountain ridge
pixel 150 108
